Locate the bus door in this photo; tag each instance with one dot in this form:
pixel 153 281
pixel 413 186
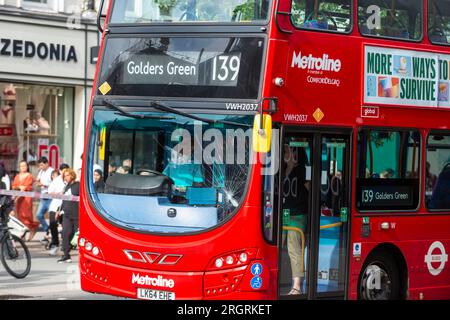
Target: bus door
pixel 313 206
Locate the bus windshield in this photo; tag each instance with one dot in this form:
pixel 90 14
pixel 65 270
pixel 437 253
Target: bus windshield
pixel 172 11
pixel 168 173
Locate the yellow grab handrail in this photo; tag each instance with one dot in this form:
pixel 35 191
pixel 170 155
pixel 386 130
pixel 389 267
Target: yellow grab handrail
pixel 332 225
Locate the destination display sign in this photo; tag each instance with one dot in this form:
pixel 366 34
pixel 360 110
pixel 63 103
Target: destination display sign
pixel 228 67
pixel 185 69
pixel 404 77
pixel 385 196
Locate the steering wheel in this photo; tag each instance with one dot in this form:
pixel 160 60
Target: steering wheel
pixel 151 172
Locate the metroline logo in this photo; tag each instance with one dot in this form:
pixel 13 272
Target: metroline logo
pixel 310 62
pixel 156 282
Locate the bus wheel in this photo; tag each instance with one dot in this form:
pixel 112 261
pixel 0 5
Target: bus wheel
pixel 379 279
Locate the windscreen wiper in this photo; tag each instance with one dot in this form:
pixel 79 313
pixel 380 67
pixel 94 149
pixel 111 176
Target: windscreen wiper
pixel 162 107
pixel 113 106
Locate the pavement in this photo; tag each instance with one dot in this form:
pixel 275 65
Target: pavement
pixel 47 279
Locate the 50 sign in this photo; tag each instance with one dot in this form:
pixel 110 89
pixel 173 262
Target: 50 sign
pixel 225 69
pixel 51 152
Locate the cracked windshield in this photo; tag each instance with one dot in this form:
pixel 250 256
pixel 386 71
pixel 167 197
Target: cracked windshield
pixel 237 11
pixel 176 174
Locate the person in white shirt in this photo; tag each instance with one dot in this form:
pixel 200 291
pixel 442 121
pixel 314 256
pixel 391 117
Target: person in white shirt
pixel 43 180
pixel 56 187
pixel 5 179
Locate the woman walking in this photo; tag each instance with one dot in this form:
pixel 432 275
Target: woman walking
pixel 24 205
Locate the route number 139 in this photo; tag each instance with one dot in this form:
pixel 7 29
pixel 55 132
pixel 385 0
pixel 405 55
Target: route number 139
pixel 226 67
pixel 367 196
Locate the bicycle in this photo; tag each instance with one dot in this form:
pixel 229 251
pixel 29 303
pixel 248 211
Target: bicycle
pixel 14 253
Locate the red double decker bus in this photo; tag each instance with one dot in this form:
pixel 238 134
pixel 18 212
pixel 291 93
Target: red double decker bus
pixel 269 149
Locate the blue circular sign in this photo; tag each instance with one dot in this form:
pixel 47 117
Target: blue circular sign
pixel 256 269
pixel 256 282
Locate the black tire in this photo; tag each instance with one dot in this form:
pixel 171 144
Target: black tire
pixel 18 253
pixel 379 278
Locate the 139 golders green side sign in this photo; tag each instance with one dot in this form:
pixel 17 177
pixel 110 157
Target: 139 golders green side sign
pixel 404 77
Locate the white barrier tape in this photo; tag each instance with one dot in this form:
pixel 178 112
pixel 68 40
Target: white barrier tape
pixel 38 195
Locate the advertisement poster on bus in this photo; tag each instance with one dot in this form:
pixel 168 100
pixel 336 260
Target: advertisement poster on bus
pixel 404 77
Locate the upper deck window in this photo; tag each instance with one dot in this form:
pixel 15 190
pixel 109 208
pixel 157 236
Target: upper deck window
pixel 439 21
pixel 397 19
pixel 179 11
pixel 331 15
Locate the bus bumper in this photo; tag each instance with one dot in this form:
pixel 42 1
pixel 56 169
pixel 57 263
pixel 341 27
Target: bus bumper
pixel 97 276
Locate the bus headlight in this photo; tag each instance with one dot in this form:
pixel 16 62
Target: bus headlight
pixel 219 263
pixel 243 257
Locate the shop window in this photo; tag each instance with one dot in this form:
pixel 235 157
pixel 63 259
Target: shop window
pixel 388 170
pixel 329 15
pixel 439 21
pixel 437 173
pixel 35 121
pixel 398 19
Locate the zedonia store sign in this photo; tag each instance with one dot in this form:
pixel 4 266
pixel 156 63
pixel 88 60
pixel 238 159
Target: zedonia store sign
pixel 42 50
pixel 32 50
pixel 404 77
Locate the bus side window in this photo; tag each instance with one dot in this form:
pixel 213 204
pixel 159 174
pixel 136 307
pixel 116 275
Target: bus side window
pixel 438 21
pixel 391 18
pixel 437 173
pixel 388 162
pixel 330 15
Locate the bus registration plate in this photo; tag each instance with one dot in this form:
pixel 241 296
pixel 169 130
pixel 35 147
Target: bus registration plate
pixel 150 294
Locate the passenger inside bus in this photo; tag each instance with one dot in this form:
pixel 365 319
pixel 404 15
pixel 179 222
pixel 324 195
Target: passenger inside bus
pixel 295 189
pixel 387 174
pixel 331 15
pixel 441 193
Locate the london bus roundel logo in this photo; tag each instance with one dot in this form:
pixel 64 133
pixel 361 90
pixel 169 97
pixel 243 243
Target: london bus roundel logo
pixel 436 257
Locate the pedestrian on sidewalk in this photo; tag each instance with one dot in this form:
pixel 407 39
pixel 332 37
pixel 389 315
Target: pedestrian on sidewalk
pixel 43 180
pixel 23 181
pixel 69 210
pixel 56 188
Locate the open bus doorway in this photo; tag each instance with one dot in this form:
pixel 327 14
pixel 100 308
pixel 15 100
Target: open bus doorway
pixel 314 208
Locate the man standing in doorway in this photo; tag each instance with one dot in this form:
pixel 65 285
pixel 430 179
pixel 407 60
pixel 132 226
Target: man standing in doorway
pixel 43 180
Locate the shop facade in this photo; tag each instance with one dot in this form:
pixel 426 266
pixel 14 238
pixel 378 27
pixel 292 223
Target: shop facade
pixel 46 76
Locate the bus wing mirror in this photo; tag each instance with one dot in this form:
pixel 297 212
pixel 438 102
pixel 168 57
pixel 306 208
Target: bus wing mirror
pixel 101 15
pixel 262 133
pixel 283 16
pixel 102 143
